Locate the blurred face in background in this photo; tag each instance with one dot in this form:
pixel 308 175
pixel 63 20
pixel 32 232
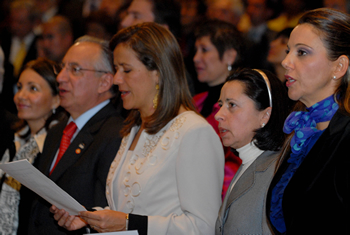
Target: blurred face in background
pixel 139 11
pixel 209 67
pixel 110 7
pixel 55 43
pixel 225 10
pixel 188 11
pixel 20 22
pixel 339 5
pixel 277 50
pixel 258 12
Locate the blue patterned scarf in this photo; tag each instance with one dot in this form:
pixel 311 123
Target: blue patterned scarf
pixel 304 123
pixel 305 136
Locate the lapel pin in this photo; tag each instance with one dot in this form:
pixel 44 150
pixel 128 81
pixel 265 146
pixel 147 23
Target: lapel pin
pixel 78 150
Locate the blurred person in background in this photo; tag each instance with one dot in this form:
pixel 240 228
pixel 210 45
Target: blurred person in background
pixel 57 36
pixel 277 53
pixel 340 5
pixel 219 50
pixel 164 12
pixel 100 25
pixel 18 42
pixel 192 13
pixel 226 10
pixel 258 35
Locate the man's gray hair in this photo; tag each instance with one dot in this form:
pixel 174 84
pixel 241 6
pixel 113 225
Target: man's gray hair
pixel 106 61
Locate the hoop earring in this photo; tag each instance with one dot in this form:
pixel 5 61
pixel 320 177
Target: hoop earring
pixel 155 99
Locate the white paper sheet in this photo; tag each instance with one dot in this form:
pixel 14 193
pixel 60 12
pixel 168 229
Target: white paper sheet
pixel 32 178
pixel 131 232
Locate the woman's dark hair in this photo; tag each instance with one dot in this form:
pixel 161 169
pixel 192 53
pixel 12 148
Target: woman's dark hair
pixel 223 36
pixel 271 136
pixel 284 33
pixel 333 28
pixel 44 67
pixel 158 50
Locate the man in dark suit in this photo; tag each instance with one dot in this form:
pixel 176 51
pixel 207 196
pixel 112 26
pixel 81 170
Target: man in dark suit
pixel 85 87
pixel 19 45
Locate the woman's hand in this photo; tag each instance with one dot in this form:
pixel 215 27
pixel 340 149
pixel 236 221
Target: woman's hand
pixel 69 222
pixel 105 220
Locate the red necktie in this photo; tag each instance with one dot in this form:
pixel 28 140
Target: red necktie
pixel 68 133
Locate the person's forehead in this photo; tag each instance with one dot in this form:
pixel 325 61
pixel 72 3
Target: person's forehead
pixel 51 29
pixel 82 53
pixel 141 7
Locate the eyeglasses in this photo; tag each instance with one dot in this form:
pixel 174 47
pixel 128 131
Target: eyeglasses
pixel 74 69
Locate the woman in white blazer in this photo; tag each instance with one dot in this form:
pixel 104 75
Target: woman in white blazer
pixel 167 176
pixel 254 105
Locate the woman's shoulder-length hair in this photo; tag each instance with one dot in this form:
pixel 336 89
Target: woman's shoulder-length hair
pixel 158 50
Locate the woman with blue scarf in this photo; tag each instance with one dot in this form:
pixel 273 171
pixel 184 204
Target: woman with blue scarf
pixel 309 193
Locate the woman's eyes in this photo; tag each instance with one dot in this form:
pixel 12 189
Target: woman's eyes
pixel 33 88
pixel 122 70
pixel 301 52
pixel 231 104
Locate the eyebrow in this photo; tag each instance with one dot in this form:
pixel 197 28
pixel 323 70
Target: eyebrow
pixel 301 44
pixel 226 100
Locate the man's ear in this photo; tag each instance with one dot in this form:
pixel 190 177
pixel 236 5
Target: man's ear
pixel 105 83
pixel 56 102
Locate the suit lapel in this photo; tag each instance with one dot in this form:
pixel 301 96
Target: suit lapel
pixel 50 148
pixel 246 181
pixel 223 209
pixel 82 141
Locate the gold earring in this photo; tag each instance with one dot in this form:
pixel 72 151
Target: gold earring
pixel 155 99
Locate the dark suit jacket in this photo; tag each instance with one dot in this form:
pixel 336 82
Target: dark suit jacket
pixel 316 200
pixel 9 79
pixel 243 210
pixel 6 133
pixel 82 175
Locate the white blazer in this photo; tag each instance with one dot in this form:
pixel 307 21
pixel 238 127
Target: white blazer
pixel 174 177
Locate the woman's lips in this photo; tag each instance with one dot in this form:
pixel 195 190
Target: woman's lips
pixel 222 131
pixel 124 93
pixel 290 80
pixel 21 106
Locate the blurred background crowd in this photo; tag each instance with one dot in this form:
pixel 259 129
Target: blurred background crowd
pixel 215 36
pixel 47 28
